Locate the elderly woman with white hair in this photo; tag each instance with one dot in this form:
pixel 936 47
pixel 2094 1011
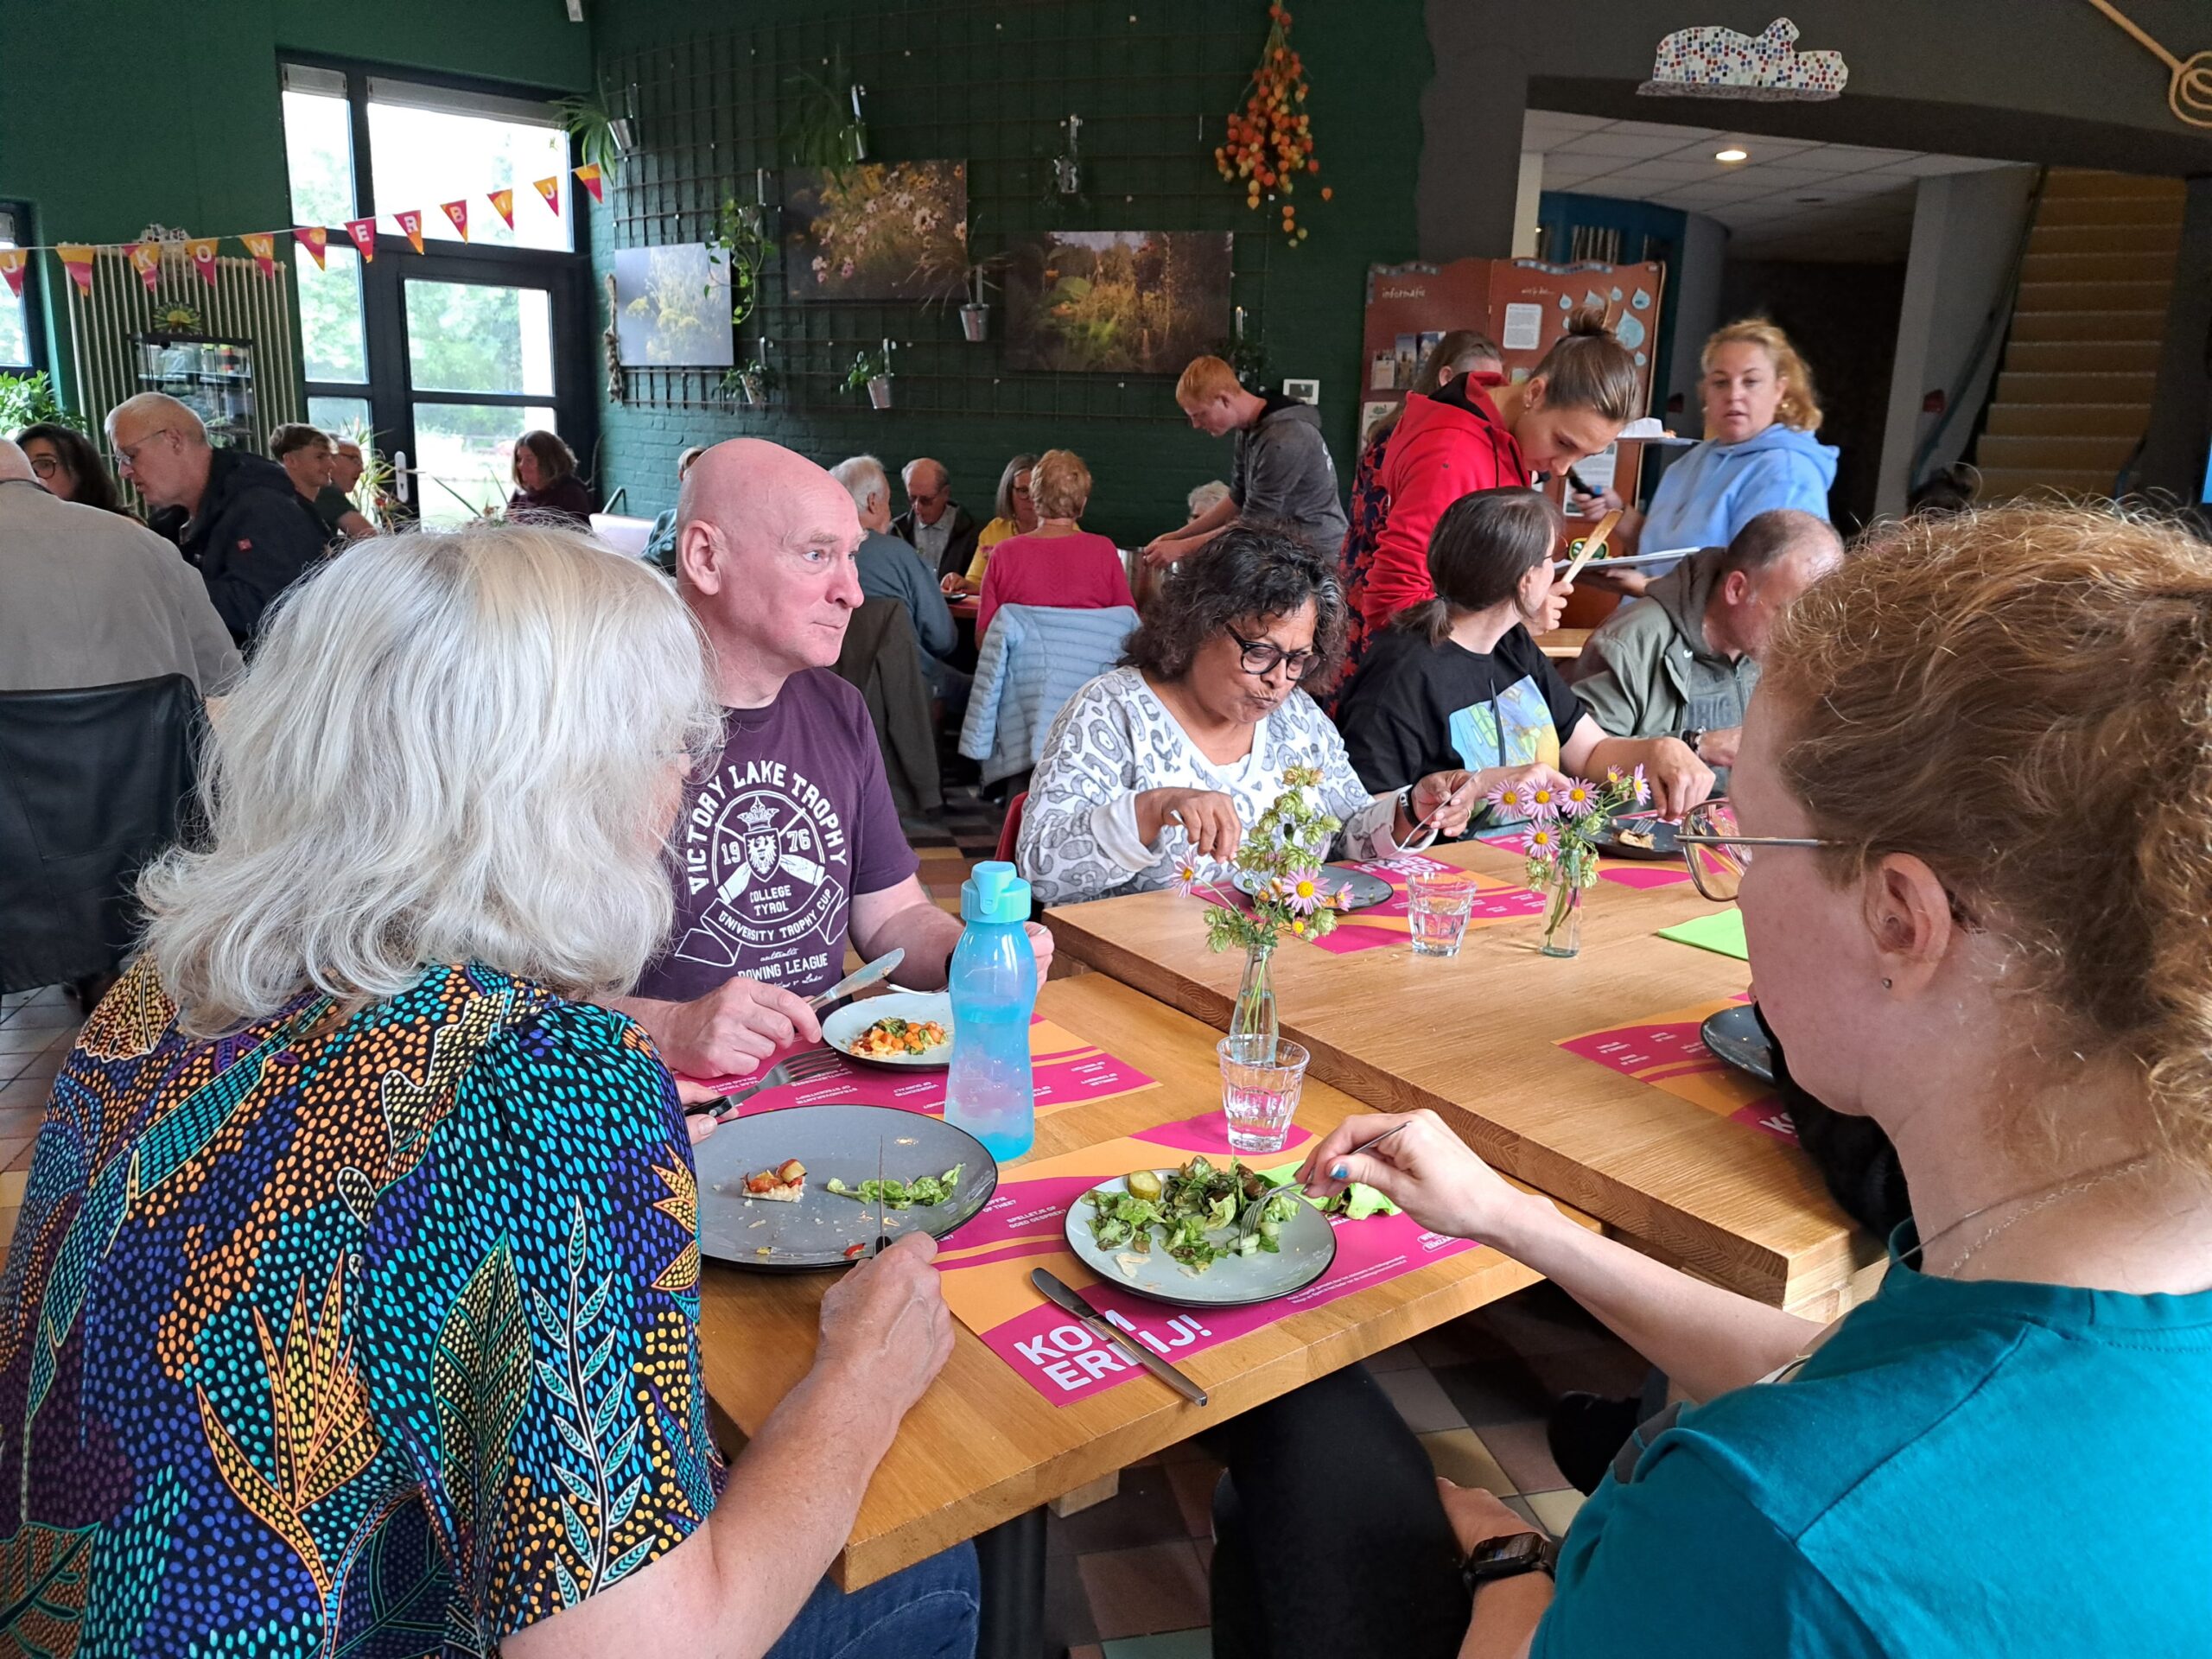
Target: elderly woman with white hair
pixel 356 1281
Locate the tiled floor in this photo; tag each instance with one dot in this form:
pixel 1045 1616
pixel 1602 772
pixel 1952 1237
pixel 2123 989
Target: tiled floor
pixel 1126 1578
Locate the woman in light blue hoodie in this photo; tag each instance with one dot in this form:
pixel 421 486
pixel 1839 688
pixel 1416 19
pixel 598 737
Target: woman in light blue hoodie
pixel 1759 452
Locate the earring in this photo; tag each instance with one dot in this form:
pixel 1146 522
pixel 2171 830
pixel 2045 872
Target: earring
pixel 1885 984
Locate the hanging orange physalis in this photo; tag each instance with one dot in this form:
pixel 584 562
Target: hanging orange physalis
pixel 1270 140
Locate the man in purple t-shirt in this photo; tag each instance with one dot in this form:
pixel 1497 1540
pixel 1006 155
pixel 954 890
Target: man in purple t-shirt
pixel 791 845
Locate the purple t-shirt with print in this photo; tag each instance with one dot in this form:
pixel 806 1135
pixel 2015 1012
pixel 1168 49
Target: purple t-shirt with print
pixel 795 819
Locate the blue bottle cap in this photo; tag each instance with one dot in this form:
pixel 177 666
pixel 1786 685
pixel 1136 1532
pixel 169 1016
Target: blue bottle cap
pixel 993 891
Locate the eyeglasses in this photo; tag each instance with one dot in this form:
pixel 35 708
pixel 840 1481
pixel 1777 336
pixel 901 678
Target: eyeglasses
pixel 46 466
pixel 129 455
pixel 1259 658
pixel 1718 856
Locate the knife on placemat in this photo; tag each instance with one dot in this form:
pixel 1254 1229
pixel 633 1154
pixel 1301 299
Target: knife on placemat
pixel 1056 1292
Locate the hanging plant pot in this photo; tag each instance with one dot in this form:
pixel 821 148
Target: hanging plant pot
pixel 879 391
pixel 976 322
pixel 749 385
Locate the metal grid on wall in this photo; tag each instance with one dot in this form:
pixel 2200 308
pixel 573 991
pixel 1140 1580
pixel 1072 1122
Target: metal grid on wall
pixel 989 84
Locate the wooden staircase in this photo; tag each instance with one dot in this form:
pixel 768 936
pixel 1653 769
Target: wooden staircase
pixel 2073 397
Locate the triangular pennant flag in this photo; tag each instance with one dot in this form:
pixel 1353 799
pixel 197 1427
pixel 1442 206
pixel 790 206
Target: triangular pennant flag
pixel 504 201
pixel 587 176
pixel 262 245
pixel 12 261
pixel 363 233
pixel 457 212
pixel 146 260
pixel 77 260
pixel 316 240
pixel 202 250
pixel 551 189
pixel 411 222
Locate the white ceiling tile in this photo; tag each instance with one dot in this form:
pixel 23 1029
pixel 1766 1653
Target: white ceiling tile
pixel 1663 172
pixel 1663 129
pixel 1610 142
pixel 1542 131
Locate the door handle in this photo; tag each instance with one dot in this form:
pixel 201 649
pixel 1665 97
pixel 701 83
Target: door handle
pixel 401 485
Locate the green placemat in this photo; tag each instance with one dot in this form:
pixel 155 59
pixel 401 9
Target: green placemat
pixel 1722 932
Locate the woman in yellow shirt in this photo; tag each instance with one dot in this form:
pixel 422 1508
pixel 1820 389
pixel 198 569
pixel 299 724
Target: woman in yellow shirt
pixel 1017 517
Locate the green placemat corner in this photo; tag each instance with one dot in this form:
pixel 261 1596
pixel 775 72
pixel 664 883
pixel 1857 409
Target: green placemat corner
pixel 1722 932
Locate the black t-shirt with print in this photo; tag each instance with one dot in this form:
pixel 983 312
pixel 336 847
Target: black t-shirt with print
pixel 1414 708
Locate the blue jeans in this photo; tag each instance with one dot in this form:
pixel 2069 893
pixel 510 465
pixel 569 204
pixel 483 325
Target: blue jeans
pixel 928 1612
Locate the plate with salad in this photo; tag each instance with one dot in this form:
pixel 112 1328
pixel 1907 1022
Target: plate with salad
pixel 1213 1233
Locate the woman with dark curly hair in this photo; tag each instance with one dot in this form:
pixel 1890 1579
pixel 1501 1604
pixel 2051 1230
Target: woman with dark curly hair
pixel 69 466
pixel 1167 757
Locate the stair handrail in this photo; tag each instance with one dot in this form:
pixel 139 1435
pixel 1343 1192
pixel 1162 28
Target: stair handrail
pixel 1995 325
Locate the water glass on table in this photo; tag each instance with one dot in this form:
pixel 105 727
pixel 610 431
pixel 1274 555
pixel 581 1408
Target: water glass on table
pixel 1260 1078
pixel 1437 904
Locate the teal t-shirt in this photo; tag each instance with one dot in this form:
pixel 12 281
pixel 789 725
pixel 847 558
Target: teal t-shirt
pixel 1964 1468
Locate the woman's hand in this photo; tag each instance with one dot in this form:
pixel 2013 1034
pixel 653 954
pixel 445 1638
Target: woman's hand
pixel 1444 801
pixel 1592 506
pixel 1207 817
pixel 1423 1168
pixel 1679 779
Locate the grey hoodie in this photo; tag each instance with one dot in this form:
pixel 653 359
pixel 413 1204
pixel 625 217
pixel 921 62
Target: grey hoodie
pixel 1648 670
pixel 1284 471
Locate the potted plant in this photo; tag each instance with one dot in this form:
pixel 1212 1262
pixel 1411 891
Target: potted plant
pixel 873 371
pixel 825 128
pixel 976 315
pixel 749 383
pixel 601 136
pixel 27 399
pixel 739 243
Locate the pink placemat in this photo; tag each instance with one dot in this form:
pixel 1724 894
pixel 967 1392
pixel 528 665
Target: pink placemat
pixel 986 1266
pixel 1496 901
pixel 1622 872
pixel 1667 1051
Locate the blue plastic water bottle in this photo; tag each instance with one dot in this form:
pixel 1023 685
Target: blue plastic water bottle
pixel 991 1092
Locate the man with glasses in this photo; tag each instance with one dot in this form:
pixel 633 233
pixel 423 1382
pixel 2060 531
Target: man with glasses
pixel 244 529
pixel 935 526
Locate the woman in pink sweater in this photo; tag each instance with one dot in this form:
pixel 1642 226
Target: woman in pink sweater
pixel 1060 562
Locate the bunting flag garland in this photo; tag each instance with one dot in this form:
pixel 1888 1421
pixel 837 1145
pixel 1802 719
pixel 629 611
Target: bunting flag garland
pixel 202 250
pixel 363 233
pixel 411 221
pixel 12 261
pixel 77 260
pixel 503 201
pixel 457 212
pixel 316 240
pixel 551 189
pixel 587 176
pixel 145 259
pixel 262 245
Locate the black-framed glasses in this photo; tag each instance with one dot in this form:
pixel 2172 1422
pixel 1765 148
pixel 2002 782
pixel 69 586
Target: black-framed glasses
pixel 1261 657
pixel 1717 854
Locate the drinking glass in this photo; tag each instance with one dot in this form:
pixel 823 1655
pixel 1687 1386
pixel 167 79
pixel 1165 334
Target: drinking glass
pixel 1259 1089
pixel 1439 903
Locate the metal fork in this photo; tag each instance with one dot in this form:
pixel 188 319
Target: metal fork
pixel 793 1068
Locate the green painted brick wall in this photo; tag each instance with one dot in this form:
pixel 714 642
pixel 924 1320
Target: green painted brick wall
pixel 989 83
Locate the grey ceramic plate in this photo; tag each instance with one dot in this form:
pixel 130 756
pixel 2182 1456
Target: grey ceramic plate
pixel 1734 1037
pixel 1365 887
pixel 1309 1244
pixel 1662 833
pixel 831 1141
pixel 841 1029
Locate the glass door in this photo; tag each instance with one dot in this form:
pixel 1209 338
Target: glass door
pixel 480 372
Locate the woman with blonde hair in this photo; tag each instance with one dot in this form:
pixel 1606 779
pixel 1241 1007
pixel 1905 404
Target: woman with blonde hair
pixel 357 1277
pixel 1968 836
pixel 1759 452
pixel 1016 516
pixel 1060 562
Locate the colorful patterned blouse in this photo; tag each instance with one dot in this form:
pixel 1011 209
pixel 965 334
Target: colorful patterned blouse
pixel 382 1343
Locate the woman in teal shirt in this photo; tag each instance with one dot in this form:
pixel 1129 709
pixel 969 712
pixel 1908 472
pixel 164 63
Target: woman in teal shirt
pixel 1975 782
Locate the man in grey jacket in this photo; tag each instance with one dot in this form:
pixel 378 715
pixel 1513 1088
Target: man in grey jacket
pixel 1283 471
pixel 1684 661
pixel 891 569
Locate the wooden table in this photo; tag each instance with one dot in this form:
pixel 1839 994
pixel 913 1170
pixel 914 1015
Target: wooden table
pixel 1564 645
pixel 1474 1038
pixel 983 1446
pixel 965 607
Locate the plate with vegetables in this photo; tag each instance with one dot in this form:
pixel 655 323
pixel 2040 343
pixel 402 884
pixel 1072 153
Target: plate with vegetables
pixel 1210 1234
pixel 911 1030
pixel 800 1188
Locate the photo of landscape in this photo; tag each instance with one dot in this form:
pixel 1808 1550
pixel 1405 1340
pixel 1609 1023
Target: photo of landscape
pixel 1107 301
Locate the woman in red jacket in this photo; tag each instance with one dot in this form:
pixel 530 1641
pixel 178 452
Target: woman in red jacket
pixel 1464 437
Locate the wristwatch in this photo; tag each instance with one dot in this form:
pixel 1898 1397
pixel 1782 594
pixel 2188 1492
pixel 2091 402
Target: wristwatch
pixel 1693 735
pixel 1509 1558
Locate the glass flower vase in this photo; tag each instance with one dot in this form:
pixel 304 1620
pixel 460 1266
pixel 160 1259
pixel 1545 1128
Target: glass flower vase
pixel 1252 1025
pixel 1563 910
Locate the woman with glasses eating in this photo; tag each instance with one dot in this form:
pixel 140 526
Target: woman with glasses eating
pixel 1166 759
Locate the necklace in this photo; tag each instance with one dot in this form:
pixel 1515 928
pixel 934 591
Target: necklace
pixel 2043 1196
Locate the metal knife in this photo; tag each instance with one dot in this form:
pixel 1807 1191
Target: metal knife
pixel 860 979
pixel 1059 1295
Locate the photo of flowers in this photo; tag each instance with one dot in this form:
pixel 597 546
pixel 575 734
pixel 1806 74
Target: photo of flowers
pixel 876 230
pixel 671 307
pixel 1126 301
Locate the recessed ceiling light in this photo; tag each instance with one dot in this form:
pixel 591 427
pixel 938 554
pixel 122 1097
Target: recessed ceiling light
pixel 1731 154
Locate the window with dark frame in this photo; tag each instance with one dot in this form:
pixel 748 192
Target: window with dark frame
pixel 21 342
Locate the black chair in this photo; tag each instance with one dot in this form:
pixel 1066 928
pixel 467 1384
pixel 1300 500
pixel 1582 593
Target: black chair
pixel 93 782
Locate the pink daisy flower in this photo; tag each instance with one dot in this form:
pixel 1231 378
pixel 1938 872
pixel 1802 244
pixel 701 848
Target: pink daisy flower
pixel 1577 799
pixel 1643 787
pixel 1544 843
pixel 1190 874
pixel 1539 802
pixel 1303 892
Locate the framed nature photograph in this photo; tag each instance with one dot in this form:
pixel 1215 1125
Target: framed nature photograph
pixel 876 230
pixel 1116 302
pixel 671 308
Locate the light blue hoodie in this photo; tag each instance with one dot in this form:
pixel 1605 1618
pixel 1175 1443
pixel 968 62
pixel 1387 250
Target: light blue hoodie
pixel 1716 489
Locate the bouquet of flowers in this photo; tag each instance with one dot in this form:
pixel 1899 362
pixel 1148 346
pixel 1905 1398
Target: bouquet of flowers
pixel 1281 862
pixel 1566 823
